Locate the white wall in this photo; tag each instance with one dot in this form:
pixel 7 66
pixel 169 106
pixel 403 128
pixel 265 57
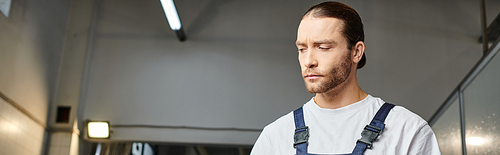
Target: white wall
pixel 238 67
pixel 31 41
pixel 31 44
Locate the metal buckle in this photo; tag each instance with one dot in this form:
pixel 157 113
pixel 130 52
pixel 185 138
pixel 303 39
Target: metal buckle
pixel 369 134
pixel 301 136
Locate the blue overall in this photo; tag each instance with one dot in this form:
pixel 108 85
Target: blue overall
pixel 369 134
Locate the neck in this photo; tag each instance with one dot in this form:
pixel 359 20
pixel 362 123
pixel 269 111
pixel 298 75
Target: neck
pixel 343 95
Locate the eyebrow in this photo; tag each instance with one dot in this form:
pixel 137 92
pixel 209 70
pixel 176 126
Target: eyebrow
pixel 326 41
pixel 298 43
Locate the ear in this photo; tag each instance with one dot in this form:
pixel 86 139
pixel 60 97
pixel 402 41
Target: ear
pixel 357 51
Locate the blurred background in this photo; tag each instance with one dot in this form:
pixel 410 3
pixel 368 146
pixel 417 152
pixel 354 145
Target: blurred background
pixel 64 63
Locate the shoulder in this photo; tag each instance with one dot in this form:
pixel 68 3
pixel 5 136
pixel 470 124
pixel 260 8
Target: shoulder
pixel 401 121
pixel 407 132
pixel 276 137
pixel 414 132
pixel 400 114
pixel 284 123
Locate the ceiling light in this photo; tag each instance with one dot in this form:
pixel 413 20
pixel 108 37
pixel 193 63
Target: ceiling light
pixel 171 13
pixel 173 18
pixel 98 129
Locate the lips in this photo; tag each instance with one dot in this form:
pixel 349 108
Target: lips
pixel 312 76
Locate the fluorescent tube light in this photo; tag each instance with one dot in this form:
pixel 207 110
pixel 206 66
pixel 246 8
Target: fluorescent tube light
pixel 98 129
pixel 171 13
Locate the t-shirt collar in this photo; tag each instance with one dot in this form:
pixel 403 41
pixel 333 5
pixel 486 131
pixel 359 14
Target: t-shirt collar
pixel 314 108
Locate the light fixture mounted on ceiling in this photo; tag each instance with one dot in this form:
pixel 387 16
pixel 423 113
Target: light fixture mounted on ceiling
pixel 98 129
pixel 173 18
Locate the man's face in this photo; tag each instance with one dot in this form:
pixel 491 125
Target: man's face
pixel 324 57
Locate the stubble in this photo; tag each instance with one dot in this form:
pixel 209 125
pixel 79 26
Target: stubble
pixel 334 78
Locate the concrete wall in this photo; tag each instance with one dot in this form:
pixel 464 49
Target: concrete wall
pixel 31 42
pixel 238 67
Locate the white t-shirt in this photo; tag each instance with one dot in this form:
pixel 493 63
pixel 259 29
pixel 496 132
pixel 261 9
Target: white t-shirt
pixel 335 131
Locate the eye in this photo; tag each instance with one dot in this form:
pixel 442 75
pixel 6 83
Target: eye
pixel 323 48
pixel 302 50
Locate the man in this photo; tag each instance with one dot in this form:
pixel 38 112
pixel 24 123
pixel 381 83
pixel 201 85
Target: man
pixel 330 48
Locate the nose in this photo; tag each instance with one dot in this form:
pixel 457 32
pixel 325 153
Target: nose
pixel 310 59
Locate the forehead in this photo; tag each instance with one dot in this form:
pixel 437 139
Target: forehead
pixel 319 28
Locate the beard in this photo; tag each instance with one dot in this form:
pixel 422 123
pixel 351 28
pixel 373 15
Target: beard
pixel 335 77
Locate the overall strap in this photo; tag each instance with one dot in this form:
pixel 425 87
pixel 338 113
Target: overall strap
pixel 301 132
pixel 372 131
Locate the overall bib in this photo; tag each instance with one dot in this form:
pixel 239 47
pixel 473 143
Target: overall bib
pixel 369 134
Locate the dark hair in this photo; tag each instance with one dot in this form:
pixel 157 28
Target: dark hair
pixel 353 26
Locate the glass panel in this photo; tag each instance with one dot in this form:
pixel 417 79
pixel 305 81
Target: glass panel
pixel 482 110
pixel 447 130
